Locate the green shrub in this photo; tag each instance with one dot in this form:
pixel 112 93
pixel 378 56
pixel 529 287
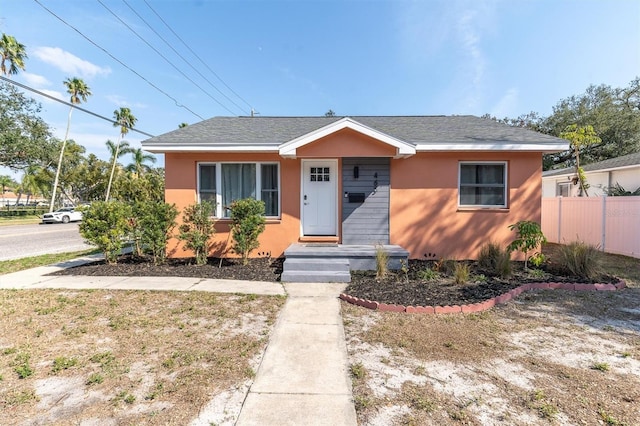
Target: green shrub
pixel 580 259
pixel 494 260
pixel 428 274
pixel 197 229
pixel 529 236
pixel 248 222
pixel 106 224
pixel 156 221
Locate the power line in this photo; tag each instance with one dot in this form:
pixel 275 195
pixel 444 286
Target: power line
pixel 182 57
pixel 164 57
pixel 119 61
pixel 53 98
pixel 196 55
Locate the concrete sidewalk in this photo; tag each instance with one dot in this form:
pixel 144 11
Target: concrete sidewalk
pixel 303 378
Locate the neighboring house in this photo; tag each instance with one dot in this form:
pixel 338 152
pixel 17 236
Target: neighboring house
pixel 623 171
pixel 438 186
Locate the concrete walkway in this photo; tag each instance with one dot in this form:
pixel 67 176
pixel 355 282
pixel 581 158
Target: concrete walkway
pixel 303 378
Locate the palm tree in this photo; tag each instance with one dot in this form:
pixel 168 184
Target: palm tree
pixel 125 120
pixel 13 52
pixel 139 158
pixel 30 184
pixel 79 91
pixel 123 149
pixel 5 182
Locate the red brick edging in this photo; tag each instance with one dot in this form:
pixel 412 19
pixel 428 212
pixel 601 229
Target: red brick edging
pixel 482 306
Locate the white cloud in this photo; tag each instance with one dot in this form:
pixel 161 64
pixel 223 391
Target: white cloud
pixel 122 102
pixel 54 93
pixel 506 106
pixel 69 63
pixel 35 79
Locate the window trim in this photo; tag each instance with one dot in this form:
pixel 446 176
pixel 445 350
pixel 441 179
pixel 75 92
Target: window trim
pixel 218 213
pixel 505 205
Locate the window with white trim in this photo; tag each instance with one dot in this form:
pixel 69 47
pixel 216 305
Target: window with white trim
pixel 482 184
pixel 224 183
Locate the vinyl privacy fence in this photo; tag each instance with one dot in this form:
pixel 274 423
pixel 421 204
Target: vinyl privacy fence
pixel 612 223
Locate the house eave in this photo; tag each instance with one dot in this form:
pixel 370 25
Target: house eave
pixel 159 149
pixel 498 146
pixel 572 172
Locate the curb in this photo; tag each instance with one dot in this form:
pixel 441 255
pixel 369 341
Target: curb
pixel 480 306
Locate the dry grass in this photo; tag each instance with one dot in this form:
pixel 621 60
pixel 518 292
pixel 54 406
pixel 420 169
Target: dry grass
pixel 551 357
pixel 125 357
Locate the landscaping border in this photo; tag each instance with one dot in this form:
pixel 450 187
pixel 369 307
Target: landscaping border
pixel 482 306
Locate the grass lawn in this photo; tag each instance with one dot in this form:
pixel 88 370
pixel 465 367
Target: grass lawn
pixel 8 266
pixel 128 357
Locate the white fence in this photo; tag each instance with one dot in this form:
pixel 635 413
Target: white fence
pixel 612 223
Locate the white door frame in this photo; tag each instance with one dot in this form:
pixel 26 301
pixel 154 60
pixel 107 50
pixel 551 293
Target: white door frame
pixel 334 165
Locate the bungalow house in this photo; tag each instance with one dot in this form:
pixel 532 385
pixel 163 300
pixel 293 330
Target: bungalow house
pixel 623 171
pixel 435 186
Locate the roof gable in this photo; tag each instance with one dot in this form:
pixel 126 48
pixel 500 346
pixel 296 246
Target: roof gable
pixel 289 149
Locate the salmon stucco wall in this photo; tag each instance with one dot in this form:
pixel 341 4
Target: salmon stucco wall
pixel 181 181
pixel 346 143
pixel 424 214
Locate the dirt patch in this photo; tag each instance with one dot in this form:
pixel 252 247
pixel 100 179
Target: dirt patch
pixel 550 357
pixel 129 357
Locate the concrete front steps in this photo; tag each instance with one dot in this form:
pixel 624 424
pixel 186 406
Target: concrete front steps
pixel 315 262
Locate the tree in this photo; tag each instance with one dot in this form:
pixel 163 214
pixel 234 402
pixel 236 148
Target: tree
pixel 139 158
pixel 197 229
pixel 330 113
pixel 13 52
pixel 79 91
pixel 30 184
pixel 6 182
pixel 125 120
pixel 182 125
pixel 581 138
pixel 24 137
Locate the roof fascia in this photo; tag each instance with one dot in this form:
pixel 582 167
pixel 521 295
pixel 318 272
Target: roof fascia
pixel 511 146
pixel 289 149
pixel 158 149
pixel 607 170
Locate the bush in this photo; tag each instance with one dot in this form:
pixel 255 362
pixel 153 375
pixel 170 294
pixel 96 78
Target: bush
pixel 248 223
pixel 156 221
pixel 529 236
pixel 197 229
pixel 106 224
pixel 580 259
pixel 494 260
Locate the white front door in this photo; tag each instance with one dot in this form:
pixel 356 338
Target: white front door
pixel 319 200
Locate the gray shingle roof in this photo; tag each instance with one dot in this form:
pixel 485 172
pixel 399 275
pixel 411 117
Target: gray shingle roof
pixel 611 163
pixel 273 131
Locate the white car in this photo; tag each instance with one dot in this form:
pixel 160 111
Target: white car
pixel 63 215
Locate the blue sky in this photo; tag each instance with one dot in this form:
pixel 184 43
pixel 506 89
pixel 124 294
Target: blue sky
pixel 304 57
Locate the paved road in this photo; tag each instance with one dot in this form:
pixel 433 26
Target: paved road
pixel 17 241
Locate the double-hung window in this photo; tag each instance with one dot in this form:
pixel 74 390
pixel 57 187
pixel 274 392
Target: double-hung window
pixel 226 182
pixel 483 184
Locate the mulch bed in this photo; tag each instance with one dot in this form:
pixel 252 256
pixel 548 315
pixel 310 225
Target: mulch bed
pixel 396 288
pixel 259 269
pixel 408 289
